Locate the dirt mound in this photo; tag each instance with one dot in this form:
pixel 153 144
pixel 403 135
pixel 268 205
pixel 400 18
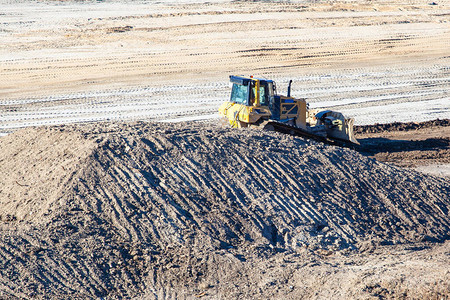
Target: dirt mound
pixel 114 209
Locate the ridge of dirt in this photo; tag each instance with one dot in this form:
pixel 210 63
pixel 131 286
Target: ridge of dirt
pixel 399 126
pixel 115 209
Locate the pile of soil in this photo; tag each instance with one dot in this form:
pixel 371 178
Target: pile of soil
pixel 399 126
pixel 172 210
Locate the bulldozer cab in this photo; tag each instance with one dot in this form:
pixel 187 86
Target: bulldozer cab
pixel 251 91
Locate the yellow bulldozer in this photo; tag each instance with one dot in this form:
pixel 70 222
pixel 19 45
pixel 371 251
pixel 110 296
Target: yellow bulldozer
pixel 254 102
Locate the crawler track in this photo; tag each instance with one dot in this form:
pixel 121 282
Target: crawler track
pixel 292 130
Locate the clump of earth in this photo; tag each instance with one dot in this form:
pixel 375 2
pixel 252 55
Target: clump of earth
pixel 195 210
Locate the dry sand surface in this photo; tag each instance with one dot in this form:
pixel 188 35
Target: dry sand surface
pixel 66 61
pixel 193 210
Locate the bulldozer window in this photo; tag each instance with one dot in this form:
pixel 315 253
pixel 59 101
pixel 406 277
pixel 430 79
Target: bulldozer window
pixel 239 94
pixel 262 95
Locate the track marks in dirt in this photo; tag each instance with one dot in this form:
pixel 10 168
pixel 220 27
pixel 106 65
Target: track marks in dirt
pixel 144 193
pixel 339 89
pixel 192 47
pixel 177 181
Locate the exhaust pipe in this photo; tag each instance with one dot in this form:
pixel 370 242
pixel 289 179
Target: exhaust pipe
pixel 289 89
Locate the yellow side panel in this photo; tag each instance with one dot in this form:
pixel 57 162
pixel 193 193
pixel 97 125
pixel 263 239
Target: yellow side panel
pixel 301 117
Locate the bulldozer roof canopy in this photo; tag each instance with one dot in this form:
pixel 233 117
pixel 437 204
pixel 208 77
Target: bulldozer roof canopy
pixel 245 80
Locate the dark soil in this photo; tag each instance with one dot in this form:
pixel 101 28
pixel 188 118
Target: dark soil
pixel 397 126
pixel 407 144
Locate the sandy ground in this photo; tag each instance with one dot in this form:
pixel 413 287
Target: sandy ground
pixel 63 62
pixel 194 210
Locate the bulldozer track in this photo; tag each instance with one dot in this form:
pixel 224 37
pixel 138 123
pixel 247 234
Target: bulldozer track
pixel 292 130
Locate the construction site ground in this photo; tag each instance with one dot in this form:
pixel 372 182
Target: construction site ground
pixel 423 146
pixel 118 179
pixel 189 210
pixel 82 61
